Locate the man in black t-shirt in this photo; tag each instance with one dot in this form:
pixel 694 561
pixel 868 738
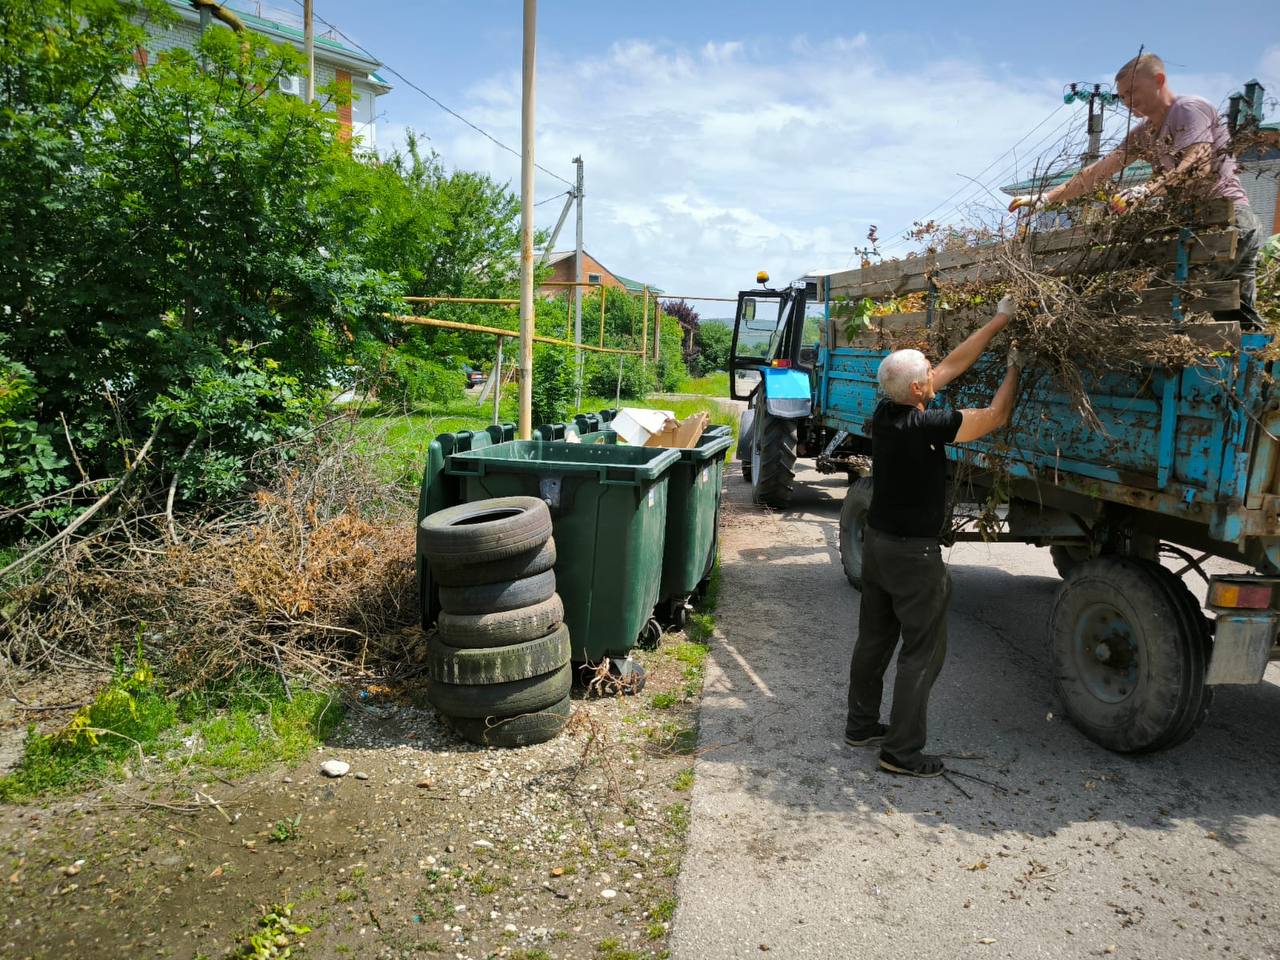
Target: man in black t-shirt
pixel 905 585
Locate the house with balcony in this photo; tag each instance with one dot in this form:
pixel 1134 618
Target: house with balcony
pixel 338 62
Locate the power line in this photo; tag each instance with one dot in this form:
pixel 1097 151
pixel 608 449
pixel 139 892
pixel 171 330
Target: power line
pixel 976 186
pixel 567 193
pixel 905 234
pixel 1011 170
pixel 453 113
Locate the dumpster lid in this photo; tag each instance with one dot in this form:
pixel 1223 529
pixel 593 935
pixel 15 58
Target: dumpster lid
pixel 709 446
pixel 612 464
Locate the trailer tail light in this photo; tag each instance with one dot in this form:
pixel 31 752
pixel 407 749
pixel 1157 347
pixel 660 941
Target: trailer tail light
pixel 781 364
pixel 1239 596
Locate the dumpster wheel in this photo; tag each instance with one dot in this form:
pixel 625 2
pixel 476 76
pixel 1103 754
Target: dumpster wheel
pixel 1129 654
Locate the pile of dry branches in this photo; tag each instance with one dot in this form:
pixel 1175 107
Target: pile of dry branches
pixel 313 575
pixel 1078 313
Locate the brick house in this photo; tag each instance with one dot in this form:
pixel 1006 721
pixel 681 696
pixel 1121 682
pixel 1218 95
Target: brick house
pixel 593 271
pixel 336 61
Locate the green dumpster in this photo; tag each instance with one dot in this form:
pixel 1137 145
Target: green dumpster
pixel 693 516
pixel 609 511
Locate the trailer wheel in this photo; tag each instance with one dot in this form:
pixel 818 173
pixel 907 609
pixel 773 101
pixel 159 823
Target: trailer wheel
pixel 1066 557
pixel 1200 695
pixel 853 520
pixel 773 459
pixel 1128 663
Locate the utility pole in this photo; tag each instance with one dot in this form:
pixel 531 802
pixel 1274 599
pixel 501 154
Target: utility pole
pixel 1098 99
pixel 309 46
pixel 577 278
pixel 526 221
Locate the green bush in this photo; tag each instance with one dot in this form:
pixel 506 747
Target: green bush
pixel 401 379
pixel 553 383
pixel 600 379
pixel 713 341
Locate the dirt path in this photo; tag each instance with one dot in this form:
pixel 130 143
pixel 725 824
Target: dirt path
pixel 428 847
pixel 800 848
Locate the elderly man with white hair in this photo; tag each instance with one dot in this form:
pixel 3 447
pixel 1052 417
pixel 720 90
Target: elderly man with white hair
pixel 905 585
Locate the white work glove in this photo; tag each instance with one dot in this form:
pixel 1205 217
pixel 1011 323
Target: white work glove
pixel 1017 359
pixel 1007 305
pixel 1029 204
pixel 1129 196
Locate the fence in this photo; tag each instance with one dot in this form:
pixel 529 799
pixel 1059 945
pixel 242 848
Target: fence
pixel 494 383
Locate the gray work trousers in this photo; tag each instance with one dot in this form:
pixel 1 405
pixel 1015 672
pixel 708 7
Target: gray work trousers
pixel 1244 268
pixel 905 591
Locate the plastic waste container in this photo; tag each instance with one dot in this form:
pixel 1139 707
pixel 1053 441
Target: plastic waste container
pixel 695 483
pixel 609 514
pixel 694 495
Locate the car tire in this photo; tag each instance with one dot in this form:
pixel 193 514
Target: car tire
pixel 527 564
pixel 484 530
pixel 521 730
pixel 517 661
pixel 476 700
pixel 499 597
pixel 478 631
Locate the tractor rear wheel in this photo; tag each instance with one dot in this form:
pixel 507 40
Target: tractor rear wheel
pixel 773 459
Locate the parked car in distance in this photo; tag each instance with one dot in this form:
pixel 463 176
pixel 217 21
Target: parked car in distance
pixel 475 378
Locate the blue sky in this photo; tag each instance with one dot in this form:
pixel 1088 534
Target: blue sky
pixel 721 138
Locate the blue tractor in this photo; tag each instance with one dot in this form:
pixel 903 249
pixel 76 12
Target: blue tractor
pixel 775 366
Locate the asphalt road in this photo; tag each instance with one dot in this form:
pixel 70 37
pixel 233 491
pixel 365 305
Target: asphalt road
pixel 799 847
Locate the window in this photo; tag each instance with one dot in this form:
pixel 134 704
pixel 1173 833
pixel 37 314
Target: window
pixel 291 85
pixel 593 278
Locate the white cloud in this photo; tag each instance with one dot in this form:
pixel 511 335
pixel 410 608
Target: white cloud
pixel 706 164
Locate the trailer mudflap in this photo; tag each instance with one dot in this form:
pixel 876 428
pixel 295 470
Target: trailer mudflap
pixel 1242 644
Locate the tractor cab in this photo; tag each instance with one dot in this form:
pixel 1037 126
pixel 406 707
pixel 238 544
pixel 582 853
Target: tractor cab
pixel 769 342
pixel 777 336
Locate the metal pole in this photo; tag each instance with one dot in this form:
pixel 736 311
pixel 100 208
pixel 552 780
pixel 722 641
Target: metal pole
pixel 657 330
pixel 568 318
pixel 1095 125
pixel 497 383
pixel 564 213
pixel 644 329
pixel 526 222
pixel 617 396
pixel 579 356
pixel 603 291
pixel 309 46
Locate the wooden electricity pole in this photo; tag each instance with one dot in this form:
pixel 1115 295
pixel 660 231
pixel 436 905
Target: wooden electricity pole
pixel 526 223
pixel 309 46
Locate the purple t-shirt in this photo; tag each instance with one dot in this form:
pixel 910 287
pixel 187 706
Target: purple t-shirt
pixel 1191 120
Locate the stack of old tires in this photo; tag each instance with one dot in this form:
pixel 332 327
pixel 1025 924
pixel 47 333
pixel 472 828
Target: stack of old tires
pixel 499 663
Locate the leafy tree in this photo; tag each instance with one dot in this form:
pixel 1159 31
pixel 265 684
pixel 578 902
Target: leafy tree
pixel 713 341
pixel 168 262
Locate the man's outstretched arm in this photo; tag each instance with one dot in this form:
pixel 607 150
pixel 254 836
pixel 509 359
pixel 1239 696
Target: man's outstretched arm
pixel 966 354
pixel 1086 181
pixel 979 423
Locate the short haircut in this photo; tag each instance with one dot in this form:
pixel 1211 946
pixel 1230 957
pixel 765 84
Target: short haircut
pixel 1148 64
pixel 899 370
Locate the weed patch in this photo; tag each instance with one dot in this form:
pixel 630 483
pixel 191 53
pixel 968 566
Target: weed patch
pixel 239 725
pixel 274 936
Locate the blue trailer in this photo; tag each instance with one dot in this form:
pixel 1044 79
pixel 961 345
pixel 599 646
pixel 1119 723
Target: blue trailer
pixel 1182 462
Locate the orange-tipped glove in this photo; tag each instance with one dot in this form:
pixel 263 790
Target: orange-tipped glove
pixel 1029 204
